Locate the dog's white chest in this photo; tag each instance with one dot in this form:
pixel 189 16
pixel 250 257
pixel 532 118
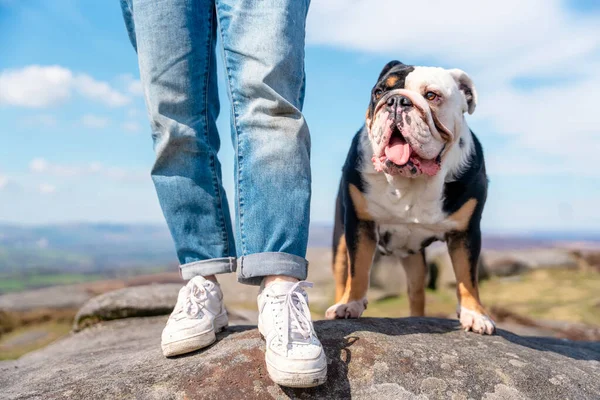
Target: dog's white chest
pixel 407 216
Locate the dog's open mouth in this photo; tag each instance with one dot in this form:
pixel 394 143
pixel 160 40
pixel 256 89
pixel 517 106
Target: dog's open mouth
pixel 398 150
pixel 398 158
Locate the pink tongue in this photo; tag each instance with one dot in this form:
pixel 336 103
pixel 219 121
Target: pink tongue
pixel 397 151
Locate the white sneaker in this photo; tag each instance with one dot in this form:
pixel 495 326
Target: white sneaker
pixel 294 356
pixel 198 315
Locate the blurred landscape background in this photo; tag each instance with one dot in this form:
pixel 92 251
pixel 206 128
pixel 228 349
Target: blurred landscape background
pixel 79 216
pixel 541 285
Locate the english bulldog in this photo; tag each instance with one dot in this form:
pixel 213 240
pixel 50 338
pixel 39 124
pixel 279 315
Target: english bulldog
pixel 414 174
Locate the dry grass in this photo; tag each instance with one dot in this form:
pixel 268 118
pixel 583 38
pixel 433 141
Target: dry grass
pixel 560 295
pixel 13 320
pixel 22 332
pixel 28 338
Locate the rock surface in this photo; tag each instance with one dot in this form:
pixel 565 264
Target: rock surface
pixel 408 358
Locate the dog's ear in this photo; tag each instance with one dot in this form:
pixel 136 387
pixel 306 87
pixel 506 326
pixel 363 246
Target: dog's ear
pixel 387 67
pixel 467 87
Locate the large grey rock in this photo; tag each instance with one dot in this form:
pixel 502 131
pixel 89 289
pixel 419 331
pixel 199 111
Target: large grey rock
pixel 138 301
pixel 409 358
pixel 142 301
pixel 528 259
pixel 504 262
pixel 56 297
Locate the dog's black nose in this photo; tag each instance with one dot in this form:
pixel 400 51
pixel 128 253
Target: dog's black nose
pixel 405 101
pixel 399 100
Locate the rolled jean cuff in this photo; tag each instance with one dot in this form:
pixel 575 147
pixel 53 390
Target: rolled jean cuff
pixel 251 269
pixel 207 267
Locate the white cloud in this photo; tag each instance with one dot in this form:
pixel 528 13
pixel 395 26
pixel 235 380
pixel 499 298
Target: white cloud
pixel 559 122
pixel 496 43
pixel 3 181
pixel 46 188
pixel 462 31
pixel 135 88
pixel 131 84
pixel 100 91
pixel 95 167
pixel 132 127
pixel 125 175
pixel 38 165
pixel 37 86
pixel 94 122
pixel 41 166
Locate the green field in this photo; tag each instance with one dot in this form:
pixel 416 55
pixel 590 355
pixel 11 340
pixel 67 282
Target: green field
pixel 12 283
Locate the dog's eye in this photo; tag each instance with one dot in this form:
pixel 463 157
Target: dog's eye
pixel 377 93
pixel 431 96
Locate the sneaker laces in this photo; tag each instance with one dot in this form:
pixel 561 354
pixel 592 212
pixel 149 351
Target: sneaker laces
pixel 296 312
pixel 194 302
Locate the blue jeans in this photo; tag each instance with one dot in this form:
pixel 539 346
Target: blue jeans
pixel 263 49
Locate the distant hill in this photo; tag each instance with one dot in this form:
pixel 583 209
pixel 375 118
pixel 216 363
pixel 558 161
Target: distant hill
pixel 321 236
pixel 88 247
pixel 97 248
pixel 84 247
pixel 45 255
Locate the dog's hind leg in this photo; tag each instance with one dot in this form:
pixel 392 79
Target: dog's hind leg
pixel 416 271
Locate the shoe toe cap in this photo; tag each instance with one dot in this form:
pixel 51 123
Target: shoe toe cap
pixel 176 330
pixel 297 357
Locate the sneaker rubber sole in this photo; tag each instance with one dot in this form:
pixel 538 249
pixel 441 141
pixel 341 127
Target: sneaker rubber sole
pixel 297 379
pixel 196 342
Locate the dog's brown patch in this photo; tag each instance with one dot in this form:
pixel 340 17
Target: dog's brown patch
pixel 340 268
pixel 360 203
pixel 358 280
pixel 391 81
pixel 466 287
pixel 462 217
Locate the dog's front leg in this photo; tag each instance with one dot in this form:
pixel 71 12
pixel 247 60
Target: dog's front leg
pixel 464 251
pixel 361 238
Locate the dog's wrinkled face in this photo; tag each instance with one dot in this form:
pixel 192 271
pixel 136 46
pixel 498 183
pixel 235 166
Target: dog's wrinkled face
pixel 415 115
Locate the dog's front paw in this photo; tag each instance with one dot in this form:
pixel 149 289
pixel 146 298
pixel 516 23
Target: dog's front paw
pixel 475 321
pixel 352 309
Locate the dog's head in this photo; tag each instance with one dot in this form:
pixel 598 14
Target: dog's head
pixel 415 116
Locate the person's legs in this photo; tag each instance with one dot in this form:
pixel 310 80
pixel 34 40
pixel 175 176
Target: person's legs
pixel 263 43
pixel 175 42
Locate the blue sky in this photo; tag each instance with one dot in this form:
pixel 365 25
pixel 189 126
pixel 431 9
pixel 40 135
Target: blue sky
pixel 75 141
